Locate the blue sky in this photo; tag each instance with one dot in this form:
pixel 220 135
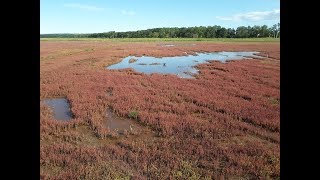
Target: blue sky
pixel 93 16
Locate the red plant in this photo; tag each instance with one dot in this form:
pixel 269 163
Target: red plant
pixel 226 121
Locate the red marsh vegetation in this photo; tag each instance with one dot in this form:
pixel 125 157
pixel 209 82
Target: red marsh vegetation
pixel 225 123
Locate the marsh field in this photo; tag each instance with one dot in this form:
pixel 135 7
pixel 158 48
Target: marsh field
pixel 219 121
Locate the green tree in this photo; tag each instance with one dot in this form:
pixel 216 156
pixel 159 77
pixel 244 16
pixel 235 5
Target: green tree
pixel 242 32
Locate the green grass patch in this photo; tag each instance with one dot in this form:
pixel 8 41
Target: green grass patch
pixel 133 114
pixel 186 171
pixel 274 101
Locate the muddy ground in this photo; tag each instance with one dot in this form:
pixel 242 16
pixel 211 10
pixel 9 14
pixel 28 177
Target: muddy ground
pixel 224 123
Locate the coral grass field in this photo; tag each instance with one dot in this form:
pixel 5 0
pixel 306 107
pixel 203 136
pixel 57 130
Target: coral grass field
pixel 223 124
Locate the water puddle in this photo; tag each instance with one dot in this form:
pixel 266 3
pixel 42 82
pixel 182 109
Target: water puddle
pixel 171 45
pixel 60 107
pixel 182 66
pixel 168 45
pixel 121 124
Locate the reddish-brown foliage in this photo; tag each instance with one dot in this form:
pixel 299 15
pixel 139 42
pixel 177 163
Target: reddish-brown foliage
pixel 225 122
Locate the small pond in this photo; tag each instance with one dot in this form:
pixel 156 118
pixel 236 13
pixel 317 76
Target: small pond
pixel 171 45
pixel 168 45
pixel 60 107
pixel 182 66
pixel 121 124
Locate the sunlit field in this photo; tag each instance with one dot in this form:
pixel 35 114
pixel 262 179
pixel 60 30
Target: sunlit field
pixel 223 123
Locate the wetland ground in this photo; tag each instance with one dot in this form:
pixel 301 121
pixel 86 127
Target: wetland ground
pixel 223 123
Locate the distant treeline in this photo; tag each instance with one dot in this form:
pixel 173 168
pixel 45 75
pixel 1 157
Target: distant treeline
pixel 190 32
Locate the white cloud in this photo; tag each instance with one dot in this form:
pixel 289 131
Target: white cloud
pixel 253 16
pixel 224 18
pixel 84 6
pixel 128 13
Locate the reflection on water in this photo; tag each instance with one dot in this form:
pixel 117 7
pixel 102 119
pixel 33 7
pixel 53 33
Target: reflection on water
pixel 182 66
